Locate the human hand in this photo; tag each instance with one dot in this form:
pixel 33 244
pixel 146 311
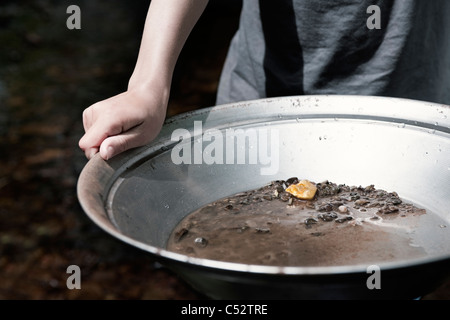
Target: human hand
pixel 127 120
pixel 135 117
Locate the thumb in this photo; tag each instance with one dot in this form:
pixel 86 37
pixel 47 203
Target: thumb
pixel 114 145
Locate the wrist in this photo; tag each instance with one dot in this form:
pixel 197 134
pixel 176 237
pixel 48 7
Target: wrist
pixel 152 97
pixel 157 88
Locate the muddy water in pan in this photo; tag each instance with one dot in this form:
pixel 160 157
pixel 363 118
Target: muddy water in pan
pixel 341 225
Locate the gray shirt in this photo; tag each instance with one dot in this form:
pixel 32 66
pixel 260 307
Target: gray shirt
pixel 301 47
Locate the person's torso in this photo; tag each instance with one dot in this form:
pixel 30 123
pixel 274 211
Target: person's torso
pixel 368 47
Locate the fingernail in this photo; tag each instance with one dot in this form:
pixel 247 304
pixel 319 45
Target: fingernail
pixel 109 152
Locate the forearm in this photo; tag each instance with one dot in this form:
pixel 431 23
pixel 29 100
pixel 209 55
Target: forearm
pixel 134 118
pixel 167 26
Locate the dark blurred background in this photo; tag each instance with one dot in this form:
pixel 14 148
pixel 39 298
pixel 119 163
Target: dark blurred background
pixel 48 76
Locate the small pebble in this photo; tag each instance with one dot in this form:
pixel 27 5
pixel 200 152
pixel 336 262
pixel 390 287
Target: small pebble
pixel 201 242
pixel 328 216
pixel 343 209
pixel 342 220
pixel 361 202
pixel 309 222
pixel 284 196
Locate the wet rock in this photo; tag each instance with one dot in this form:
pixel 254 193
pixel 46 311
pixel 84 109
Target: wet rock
pixel 343 219
pixel 328 216
pixel 325 189
pixel 394 200
pixel 374 204
pixel 201 242
pixel 245 202
pixel 285 196
pixel 354 196
pixel 310 221
pixel 388 210
pixel 290 181
pixel 361 202
pixel 324 207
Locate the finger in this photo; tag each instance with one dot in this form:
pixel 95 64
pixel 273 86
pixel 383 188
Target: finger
pixel 91 152
pixel 116 144
pixel 87 118
pixel 97 133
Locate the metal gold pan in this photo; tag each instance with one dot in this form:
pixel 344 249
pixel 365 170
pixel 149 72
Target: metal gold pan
pixel 395 144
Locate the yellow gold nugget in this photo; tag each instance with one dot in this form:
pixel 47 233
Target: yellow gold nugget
pixel 304 190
